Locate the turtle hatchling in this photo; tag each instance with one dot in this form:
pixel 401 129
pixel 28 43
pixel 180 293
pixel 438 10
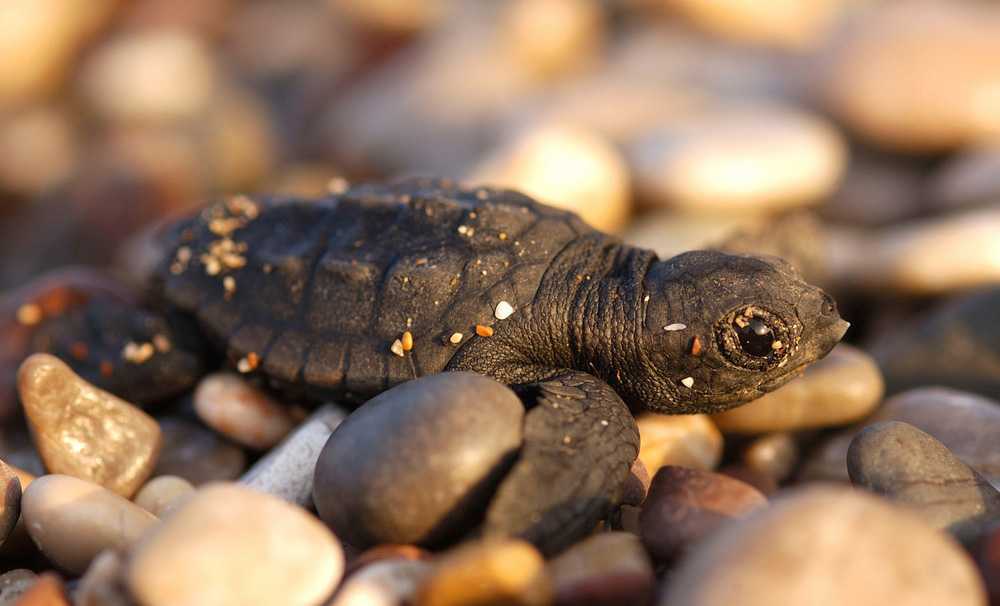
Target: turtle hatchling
pixel 344 297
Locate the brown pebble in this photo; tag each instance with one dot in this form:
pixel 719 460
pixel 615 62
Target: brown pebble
pixel 607 568
pixel 10 500
pixel 196 454
pixel 72 520
pixel 48 590
pixel 773 455
pixel 636 484
pixel 14 583
pixel 686 505
pixel 241 412
pixel 163 494
pixel 484 331
pixel 86 432
pixel 510 572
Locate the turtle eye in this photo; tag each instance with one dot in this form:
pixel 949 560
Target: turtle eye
pixel 755 336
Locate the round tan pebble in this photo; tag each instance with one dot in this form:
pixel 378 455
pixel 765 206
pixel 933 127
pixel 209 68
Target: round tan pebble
pixel 919 76
pixel 382 583
pixel 38 150
pixel 773 455
pixel 231 406
pixel 607 568
pixel 149 75
pixel 491 571
pixel 788 24
pixel 552 37
pixel 163 494
pixel 566 166
pixel 72 520
pixel 933 256
pixel 754 158
pixel 839 389
pixel 10 500
pixel 47 590
pixel 38 41
pixel 84 431
pixel 827 546
pixel 251 549
pixel 685 440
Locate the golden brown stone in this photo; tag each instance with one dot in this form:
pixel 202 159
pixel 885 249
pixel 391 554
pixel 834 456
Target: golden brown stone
pixel 86 432
pixel 685 440
pixel 488 572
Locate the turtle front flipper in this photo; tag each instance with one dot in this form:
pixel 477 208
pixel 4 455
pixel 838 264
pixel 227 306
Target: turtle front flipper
pixel 579 441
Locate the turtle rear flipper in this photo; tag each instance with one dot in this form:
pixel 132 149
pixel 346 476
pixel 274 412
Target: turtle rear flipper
pixel 579 441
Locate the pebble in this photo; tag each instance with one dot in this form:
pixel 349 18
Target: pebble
pixel 163 494
pixel 287 471
pixel 935 256
pixel 756 158
pixel 156 75
pixel 954 344
pixel 566 166
pixel 383 583
pixel 47 590
pixel 386 551
pixel 878 82
pixel 841 388
pixel 10 501
pixel 684 506
pixel 968 178
pixel 72 520
pixel 636 484
pixel 785 25
pixel 243 540
pixel 909 467
pixel 773 455
pixel 104 582
pixel 607 568
pixel 965 423
pixel 510 572
pixel 86 432
pixel 197 454
pixel 457 431
pixel 50 32
pixel 241 412
pixel 685 440
pixel 827 546
pixel 38 132
pixel 987 554
pixel 552 38
pixel 14 583
pixel 391 16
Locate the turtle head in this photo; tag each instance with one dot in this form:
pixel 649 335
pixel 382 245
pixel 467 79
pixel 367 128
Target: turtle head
pixel 720 330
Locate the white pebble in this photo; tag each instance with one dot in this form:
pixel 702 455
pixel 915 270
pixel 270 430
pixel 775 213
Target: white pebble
pixel 397 348
pixel 503 310
pixel 456 338
pixel 674 327
pixel 688 382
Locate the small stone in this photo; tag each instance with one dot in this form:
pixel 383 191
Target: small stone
pixel 636 484
pixel 877 81
pixel 14 583
pixel 196 454
pixel 755 158
pixel 397 348
pixel 162 494
pixel 567 166
pixel 287 471
pixel 47 590
pixel 455 338
pixel 674 327
pixel 72 520
pixel 608 568
pixel 688 382
pixel 843 387
pixel 241 412
pixel 458 431
pixel 10 500
pixel 965 423
pixel 773 455
pixel 86 432
pixel 488 572
pixel 685 440
pixel 383 583
pixel 104 582
pixel 243 541
pixel 484 331
pixel 827 546
pixel 407 341
pixel 503 310
pixel 684 506
pixel 909 467
pixel 386 551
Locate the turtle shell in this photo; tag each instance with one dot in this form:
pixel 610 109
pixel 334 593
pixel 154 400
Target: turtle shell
pixel 313 294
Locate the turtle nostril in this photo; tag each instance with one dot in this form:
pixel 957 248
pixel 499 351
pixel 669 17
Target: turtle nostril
pixel 829 306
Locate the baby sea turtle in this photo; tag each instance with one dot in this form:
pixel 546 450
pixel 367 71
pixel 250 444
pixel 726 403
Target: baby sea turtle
pixel 344 297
